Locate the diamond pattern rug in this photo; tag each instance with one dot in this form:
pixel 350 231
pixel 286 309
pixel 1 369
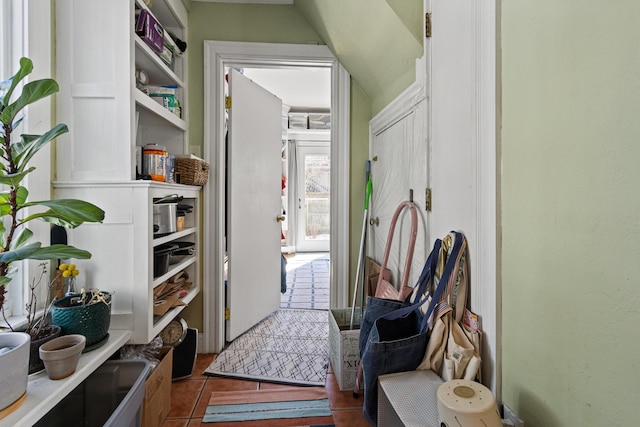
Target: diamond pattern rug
pixel 290 346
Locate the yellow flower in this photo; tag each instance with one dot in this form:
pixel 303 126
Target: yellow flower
pixel 63 267
pixel 71 267
pixel 75 272
pixel 66 273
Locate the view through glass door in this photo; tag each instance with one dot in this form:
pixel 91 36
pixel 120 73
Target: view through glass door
pixel 313 224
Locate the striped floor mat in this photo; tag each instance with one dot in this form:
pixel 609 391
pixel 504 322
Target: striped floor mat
pixel 290 406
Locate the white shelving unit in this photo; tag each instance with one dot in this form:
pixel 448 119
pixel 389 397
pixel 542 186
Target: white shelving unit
pixel 98 53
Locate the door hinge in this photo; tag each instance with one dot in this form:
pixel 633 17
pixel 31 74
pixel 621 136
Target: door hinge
pixel 227 102
pixel 227 314
pixel 427 199
pixel 427 25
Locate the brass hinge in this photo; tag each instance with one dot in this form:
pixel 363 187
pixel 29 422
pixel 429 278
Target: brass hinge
pixel 427 25
pixel 227 102
pixel 227 314
pixel 427 199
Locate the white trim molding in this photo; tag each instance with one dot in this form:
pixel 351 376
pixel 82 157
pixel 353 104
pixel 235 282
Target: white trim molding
pixel 217 56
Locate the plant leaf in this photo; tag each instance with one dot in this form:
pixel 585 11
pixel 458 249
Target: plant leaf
pixel 71 210
pixel 24 252
pixel 26 66
pixel 22 239
pixel 14 179
pixel 31 92
pixel 5 280
pixel 31 144
pixel 60 252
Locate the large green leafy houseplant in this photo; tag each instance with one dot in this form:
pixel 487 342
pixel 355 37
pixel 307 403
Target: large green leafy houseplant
pixel 15 153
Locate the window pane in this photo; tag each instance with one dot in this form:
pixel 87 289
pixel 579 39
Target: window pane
pixel 317 191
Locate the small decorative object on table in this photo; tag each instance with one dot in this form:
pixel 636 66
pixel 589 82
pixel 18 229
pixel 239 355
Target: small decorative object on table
pixel 87 313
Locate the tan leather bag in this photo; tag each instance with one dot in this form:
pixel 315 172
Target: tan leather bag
pixel 453 350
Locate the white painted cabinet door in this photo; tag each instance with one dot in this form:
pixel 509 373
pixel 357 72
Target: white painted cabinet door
pixel 253 204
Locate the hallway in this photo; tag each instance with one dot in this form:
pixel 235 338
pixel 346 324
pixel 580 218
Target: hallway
pixel 307 281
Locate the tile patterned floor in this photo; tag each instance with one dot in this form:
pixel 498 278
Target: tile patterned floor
pixel 189 398
pixel 307 281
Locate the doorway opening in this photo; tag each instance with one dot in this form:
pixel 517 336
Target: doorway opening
pixel 305 223
pixel 219 55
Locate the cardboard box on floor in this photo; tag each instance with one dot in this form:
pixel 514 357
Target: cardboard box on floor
pixel 372 273
pixel 157 395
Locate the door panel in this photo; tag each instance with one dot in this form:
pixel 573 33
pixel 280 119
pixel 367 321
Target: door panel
pixel 253 204
pixel 313 223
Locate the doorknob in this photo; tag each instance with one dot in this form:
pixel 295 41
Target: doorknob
pixel 280 218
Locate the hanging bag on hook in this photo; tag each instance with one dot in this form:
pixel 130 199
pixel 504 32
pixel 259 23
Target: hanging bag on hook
pixel 453 351
pixel 397 341
pixel 384 289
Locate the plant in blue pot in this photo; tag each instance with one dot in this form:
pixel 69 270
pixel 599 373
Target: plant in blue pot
pixel 16 239
pixel 87 312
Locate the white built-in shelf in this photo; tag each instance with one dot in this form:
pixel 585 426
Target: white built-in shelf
pixel 156 114
pixel 43 394
pixel 159 322
pixel 174 236
pixel 158 71
pixel 174 269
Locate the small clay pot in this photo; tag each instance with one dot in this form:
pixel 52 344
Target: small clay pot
pixel 61 355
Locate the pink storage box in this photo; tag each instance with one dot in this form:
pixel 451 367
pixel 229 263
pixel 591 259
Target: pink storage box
pixel 150 30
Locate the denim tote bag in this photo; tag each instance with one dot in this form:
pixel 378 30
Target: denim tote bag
pixel 398 340
pixel 378 307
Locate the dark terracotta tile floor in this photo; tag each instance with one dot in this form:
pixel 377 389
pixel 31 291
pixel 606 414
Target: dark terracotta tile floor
pixel 189 398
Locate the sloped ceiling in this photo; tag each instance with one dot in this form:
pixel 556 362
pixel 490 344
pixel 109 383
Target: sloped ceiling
pixel 377 41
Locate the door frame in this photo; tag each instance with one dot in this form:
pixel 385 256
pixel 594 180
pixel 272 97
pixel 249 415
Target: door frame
pixel 217 56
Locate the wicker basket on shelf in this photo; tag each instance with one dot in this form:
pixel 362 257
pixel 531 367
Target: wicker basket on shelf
pixel 191 171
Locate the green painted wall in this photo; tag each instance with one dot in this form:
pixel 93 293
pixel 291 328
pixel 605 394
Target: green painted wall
pixel 570 209
pixel 273 24
pixel 373 40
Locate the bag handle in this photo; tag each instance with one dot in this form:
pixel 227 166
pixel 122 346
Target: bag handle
pixel 456 294
pixel 444 279
pixel 412 242
pixel 427 273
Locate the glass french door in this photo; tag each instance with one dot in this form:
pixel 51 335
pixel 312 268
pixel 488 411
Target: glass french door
pixel 313 207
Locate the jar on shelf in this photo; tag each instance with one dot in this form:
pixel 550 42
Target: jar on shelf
pixel 154 162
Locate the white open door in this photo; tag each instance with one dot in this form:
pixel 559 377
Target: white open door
pixel 253 204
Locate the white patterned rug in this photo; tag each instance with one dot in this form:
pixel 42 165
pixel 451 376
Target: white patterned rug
pixel 290 346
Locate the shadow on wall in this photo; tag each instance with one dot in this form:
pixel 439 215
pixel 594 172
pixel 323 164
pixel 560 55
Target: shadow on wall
pixel 535 412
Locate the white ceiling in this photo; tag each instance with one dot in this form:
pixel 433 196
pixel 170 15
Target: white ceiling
pixel 301 88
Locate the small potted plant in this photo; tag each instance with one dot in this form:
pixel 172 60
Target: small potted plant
pixel 16 243
pixel 85 313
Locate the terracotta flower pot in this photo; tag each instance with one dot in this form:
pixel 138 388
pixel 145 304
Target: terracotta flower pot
pixel 61 355
pixel 14 365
